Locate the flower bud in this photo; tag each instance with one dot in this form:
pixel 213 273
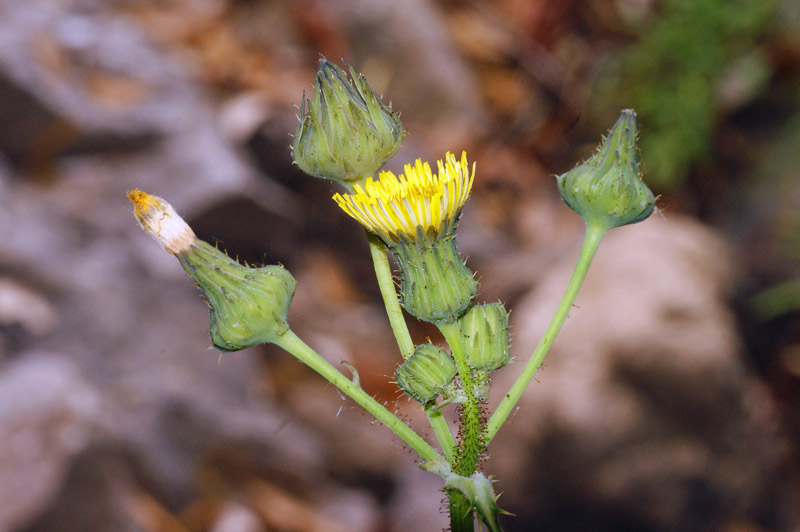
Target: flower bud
pixel 346 133
pixel 485 332
pixel 426 373
pixel 607 190
pixel 248 305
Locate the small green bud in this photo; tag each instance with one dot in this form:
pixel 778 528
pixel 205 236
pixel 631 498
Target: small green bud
pixel 436 285
pixel 485 332
pixel 248 305
pixel 346 133
pixel 607 189
pixel 426 373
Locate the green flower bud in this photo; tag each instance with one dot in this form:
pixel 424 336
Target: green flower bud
pixel 607 189
pixel 485 332
pixel 436 284
pixel 346 133
pixel 248 305
pixel 426 373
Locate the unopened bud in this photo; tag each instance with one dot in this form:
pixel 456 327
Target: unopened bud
pixel 426 373
pixel 485 332
pixel 607 190
pixel 346 133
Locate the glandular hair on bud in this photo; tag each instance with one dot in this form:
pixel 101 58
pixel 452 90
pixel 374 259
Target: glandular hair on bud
pixel 346 132
pixel 484 329
pixel 607 190
pixel 248 306
pixel 426 373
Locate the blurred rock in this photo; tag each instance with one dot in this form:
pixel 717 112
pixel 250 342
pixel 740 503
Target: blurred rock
pixel 237 518
pixel 25 307
pixel 79 79
pixel 644 409
pixel 49 413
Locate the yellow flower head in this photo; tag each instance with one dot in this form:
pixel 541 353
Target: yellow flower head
pixel 395 206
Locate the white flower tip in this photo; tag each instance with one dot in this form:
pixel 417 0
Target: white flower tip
pixel 159 220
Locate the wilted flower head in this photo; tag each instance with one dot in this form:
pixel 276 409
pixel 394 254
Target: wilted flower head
pixel 159 220
pixel 248 306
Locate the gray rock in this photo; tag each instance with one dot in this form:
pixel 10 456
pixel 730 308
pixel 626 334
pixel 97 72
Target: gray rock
pixel 644 409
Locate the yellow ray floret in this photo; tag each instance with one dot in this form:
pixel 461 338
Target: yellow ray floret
pixel 395 206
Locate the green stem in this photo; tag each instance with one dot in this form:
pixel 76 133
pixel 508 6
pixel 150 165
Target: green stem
pixel 461 514
pixel 384 274
pixel 471 446
pixel 594 234
pixel 443 433
pixel 294 345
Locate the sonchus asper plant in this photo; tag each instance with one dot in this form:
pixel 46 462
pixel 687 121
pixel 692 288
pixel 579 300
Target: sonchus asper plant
pixel 346 134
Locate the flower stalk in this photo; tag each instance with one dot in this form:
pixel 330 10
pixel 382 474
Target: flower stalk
pixel 594 234
pixel 294 345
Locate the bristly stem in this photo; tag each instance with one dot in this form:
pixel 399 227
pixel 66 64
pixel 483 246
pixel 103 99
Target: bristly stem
pixel 383 272
pixel 471 446
pixel 294 345
pixel 462 515
pixel 594 234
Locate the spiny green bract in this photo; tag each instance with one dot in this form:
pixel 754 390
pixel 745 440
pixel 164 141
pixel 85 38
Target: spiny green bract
pixel 346 133
pixel 435 284
pixel 485 332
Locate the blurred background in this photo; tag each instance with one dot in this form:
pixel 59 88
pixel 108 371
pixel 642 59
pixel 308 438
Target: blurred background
pixel 670 400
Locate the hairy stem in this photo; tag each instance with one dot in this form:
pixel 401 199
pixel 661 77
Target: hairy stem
pixel 471 446
pixel 461 514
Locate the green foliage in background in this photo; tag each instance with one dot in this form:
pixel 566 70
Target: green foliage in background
pixel 672 76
